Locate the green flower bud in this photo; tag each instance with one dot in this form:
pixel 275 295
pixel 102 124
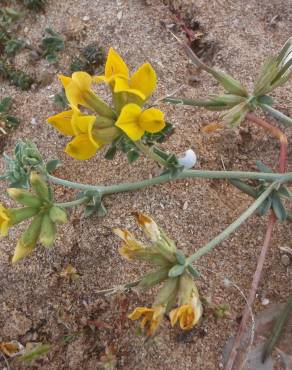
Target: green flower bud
pixel 39 186
pixel 58 215
pixel 18 215
pixel 154 278
pixel 167 294
pixel 29 238
pixel 48 231
pixel 105 135
pixel 24 197
pixel 103 122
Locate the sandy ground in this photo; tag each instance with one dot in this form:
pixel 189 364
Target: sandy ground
pixel 37 305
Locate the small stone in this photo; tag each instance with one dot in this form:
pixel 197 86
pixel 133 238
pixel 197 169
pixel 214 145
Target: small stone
pixel 119 15
pixel 265 301
pixel 33 121
pixel 185 206
pixel 86 18
pixel 285 259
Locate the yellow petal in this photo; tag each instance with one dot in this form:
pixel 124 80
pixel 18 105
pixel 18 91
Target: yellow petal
pixel 64 80
pixel 128 121
pixel 144 80
pixel 4 220
pixel 81 124
pixel 62 122
pixel 115 65
pixel 83 80
pixel 81 147
pixel 152 120
pixel 121 84
pixel 21 251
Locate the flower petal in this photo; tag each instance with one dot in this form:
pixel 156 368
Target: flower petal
pixel 81 147
pixel 115 65
pixel 81 123
pixel 62 122
pixel 144 80
pixel 128 121
pixel 152 120
pixel 83 80
pixel 64 80
pixel 121 84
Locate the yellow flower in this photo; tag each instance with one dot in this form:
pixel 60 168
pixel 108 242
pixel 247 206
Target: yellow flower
pixel 84 145
pixel 130 245
pixel 4 220
pixel 78 91
pixel 151 317
pixel 188 315
pixel 134 122
pixel 142 83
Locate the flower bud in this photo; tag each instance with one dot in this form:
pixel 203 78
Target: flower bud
pixel 28 240
pixel 18 215
pixel 105 135
pixel 48 231
pixel 39 186
pixel 103 122
pixel 154 278
pixel 24 197
pixel 58 215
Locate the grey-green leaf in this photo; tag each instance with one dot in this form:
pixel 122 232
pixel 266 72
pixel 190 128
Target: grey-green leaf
pixel 176 270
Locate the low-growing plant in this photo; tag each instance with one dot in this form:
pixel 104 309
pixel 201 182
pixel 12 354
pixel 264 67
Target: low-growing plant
pixel 52 44
pixel 6 119
pixel 134 127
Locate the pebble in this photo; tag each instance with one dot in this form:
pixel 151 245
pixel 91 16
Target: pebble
pixel 33 121
pixel 185 206
pixel 265 301
pixel 86 18
pixel 285 259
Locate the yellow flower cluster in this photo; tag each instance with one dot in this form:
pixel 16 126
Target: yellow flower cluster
pixel 91 132
pixel 161 252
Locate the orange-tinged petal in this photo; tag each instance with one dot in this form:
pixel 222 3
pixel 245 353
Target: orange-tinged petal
pixel 81 147
pixel 115 65
pixel 152 120
pixel 144 80
pixel 62 122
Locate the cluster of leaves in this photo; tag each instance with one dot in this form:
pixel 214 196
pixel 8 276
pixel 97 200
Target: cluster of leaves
pixel 16 77
pixel 275 201
pixel 35 5
pixel 236 100
pixel 9 46
pixel 91 57
pixel 26 158
pixel 51 45
pixel 5 117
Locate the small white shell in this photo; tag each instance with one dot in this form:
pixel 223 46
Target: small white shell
pixel 188 160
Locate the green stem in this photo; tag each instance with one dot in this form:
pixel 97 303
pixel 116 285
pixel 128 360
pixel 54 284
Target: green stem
pixel 73 203
pixel 110 189
pixel 149 153
pixel 278 115
pixel 225 233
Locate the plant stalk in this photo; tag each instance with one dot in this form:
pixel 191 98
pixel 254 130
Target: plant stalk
pixel 110 189
pixel 225 233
